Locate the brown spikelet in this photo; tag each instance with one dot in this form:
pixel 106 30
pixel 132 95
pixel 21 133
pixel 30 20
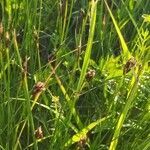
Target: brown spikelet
pixel 90 74
pixel 25 66
pixel 82 143
pixel 131 63
pixel 38 87
pixel 38 133
pixel 1 29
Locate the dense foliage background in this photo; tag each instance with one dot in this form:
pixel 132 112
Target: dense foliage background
pixel 74 74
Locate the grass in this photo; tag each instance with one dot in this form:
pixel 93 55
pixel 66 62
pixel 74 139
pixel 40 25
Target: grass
pixel 74 74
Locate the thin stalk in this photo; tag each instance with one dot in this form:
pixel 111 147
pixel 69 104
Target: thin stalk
pixel 26 91
pixel 69 18
pixel 69 101
pixel 89 44
pixel 65 20
pixel 31 107
pixel 128 105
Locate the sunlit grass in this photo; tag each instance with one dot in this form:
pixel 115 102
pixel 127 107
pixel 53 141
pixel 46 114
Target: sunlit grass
pixel 74 74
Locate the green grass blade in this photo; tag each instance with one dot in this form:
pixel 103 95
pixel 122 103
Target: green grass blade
pixel 126 53
pixel 128 105
pixel 83 133
pixel 89 45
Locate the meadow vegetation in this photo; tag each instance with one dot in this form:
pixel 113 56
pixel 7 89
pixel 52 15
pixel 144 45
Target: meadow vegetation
pixel 75 74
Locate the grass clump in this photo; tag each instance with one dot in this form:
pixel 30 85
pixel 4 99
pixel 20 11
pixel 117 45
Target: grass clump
pixel 74 74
